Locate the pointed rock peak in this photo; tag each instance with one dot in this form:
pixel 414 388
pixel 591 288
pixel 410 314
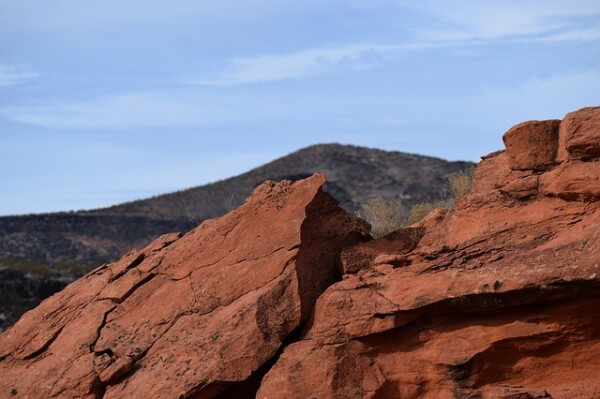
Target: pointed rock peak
pixel 187 316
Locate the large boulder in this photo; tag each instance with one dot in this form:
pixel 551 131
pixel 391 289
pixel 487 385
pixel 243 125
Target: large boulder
pixel 497 298
pixel 532 144
pixel 192 316
pixel 579 135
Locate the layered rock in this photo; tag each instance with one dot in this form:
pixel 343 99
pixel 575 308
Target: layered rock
pixel 192 316
pixel 497 298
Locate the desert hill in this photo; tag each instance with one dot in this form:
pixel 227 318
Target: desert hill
pixel 51 249
pixel 354 174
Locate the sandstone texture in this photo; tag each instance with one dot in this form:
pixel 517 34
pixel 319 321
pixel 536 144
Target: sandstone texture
pixel 186 317
pixel 532 145
pixel 579 135
pixel 498 298
pixel 288 297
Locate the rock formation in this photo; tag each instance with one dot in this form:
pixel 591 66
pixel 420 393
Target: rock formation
pixel 191 316
pixel 285 297
pixel 497 298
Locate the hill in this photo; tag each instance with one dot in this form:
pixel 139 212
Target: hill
pixel 354 174
pixel 61 246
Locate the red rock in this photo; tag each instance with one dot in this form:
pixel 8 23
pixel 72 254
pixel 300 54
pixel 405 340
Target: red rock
pixel 496 298
pixel 116 370
pixel 579 135
pixel 500 298
pixel 187 316
pixel 363 255
pixel 573 181
pixel 532 144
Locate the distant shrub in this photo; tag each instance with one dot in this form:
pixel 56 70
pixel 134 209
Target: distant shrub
pixel 459 183
pixel 419 211
pixel 387 215
pixel 384 214
pixel 36 268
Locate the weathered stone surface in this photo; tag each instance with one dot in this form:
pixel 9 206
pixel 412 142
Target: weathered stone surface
pixel 532 144
pixel 579 135
pixel 499 298
pixel 191 316
pixel 496 298
pixel 573 181
pixel 362 255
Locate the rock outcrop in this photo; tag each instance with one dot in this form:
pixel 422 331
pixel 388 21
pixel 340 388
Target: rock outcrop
pixel 286 297
pixel 498 298
pixel 192 316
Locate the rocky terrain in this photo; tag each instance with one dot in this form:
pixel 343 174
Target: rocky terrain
pixel 58 247
pixel 287 296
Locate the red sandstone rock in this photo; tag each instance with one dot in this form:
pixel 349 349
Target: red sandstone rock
pixel 532 144
pixel 499 298
pixel 496 298
pixel 573 181
pixel 190 316
pixel 579 135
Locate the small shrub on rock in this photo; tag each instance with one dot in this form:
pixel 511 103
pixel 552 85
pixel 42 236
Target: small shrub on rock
pixel 384 214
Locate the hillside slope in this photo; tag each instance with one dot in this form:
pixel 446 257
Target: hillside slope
pixel 61 246
pixel 354 174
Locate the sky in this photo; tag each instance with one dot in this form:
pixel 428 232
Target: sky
pixel 108 101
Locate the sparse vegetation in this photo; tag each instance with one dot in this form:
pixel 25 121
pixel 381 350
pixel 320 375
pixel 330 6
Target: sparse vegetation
pixel 387 215
pixel 419 211
pixel 384 215
pixel 36 268
pixel 459 183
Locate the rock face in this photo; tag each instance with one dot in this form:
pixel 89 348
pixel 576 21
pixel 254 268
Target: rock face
pixel 192 316
pixel 580 135
pixel 532 145
pixel 286 298
pixel 498 298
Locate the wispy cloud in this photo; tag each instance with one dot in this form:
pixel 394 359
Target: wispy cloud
pixel 13 75
pixel 294 65
pixel 465 23
pixel 582 35
pixel 537 19
pixel 147 110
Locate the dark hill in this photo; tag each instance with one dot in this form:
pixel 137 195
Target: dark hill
pixel 354 174
pixel 56 247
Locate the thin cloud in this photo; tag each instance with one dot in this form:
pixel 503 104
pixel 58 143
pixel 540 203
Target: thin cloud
pixel 470 23
pixel 146 110
pixel 294 65
pixel 476 20
pixel 12 75
pixel 582 35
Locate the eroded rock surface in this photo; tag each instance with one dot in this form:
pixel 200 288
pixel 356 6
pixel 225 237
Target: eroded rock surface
pixel 498 298
pixel 191 317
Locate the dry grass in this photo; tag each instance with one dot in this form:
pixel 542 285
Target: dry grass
pixel 387 215
pixel 419 211
pixel 384 214
pixel 459 183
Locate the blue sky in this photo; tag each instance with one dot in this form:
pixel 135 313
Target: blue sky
pixel 107 101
